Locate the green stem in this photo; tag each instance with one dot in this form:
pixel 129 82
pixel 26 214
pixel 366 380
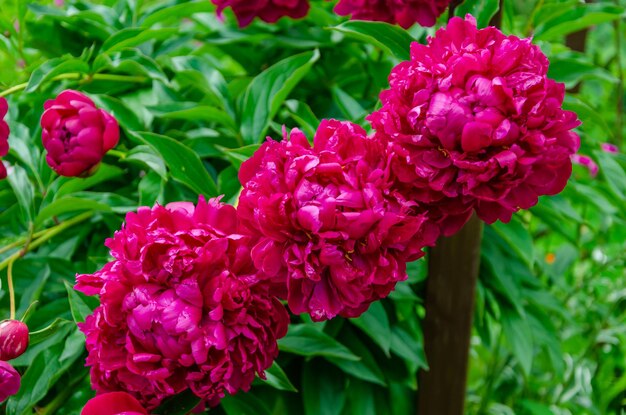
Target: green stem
pixel 11 289
pixel 49 234
pixel 21 242
pixel 83 78
pixel 116 153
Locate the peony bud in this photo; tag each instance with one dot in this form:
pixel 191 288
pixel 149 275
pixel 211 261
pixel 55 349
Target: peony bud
pixel 113 403
pixel 76 134
pixel 13 339
pixel 404 13
pixel 267 10
pixel 9 381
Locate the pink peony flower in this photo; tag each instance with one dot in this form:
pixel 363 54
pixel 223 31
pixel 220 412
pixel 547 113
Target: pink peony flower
pixel 113 403
pixel 402 12
pixel 13 339
pixel 587 162
pixel 332 230
pixel 180 307
pixel 609 148
pixel 76 134
pixel 475 123
pixel 9 381
pixel 4 135
pixel 267 10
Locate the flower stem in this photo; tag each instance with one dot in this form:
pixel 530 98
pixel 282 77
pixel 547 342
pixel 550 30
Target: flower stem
pixel 11 289
pixel 47 235
pixel 83 78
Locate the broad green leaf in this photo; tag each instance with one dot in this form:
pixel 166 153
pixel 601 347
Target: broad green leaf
pixel 367 368
pixel 35 337
pixel 191 111
pixel 276 377
pixel 66 205
pixel 24 192
pixel 185 165
pixel 244 404
pixel 125 116
pixel 613 173
pixel 174 13
pixel 520 338
pixel 131 37
pixel 304 340
pixel 518 238
pixel 348 105
pixel 267 92
pixel 390 38
pixel 104 173
pixel 54 67
pixel 375 323
pixel 237 156
pixel 323 389
pixel 45 370
pixel 181 404
pixel 574 19
pixel 78 304
pixel 482 10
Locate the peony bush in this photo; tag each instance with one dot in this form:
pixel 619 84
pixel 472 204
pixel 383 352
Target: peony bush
pixel 227 206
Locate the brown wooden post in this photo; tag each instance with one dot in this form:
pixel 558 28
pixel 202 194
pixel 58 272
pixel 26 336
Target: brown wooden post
pixel 450 290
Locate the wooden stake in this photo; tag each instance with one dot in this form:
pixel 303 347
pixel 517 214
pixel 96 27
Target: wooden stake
pixel 450 290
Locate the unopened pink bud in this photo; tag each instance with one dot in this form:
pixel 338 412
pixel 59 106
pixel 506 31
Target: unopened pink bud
pixel 13 339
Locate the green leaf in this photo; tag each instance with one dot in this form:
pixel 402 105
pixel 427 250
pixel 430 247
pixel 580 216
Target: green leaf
pixel 131 37
pixel 174 13
pixel 185 165
pixel 104 173
pixel 304 340
pixel 348 105
pixel 46 369
pixel 268 91
pixel 35 337
pixel 366 368
pixel 124 115
pixel 66 205
pixel 323 389
pixel 244 404
pixel 237 156
pixel 192 111
pixel 375 323
pixel 54 67
pixel 181 404
pixel 572 20
pixel 482 10
pixel 519 336
pixel 276 377
pixel 390 38
pixel 24 192
pixel 613 173
pixel 78 304
pixel 518 238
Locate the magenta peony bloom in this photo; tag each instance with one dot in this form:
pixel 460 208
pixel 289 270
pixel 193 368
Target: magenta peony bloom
pixel 332 230
pixel 587 162
pixel 9 381
pixel 402 12
pixel 180 307
pixel 113 403
pixel 267 10
pixel 4 135
pixel 76 134
pixel 13 339
pixel 475 123
pixel 609 148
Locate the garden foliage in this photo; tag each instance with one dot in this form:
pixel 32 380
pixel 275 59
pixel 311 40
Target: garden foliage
pixel 195 96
